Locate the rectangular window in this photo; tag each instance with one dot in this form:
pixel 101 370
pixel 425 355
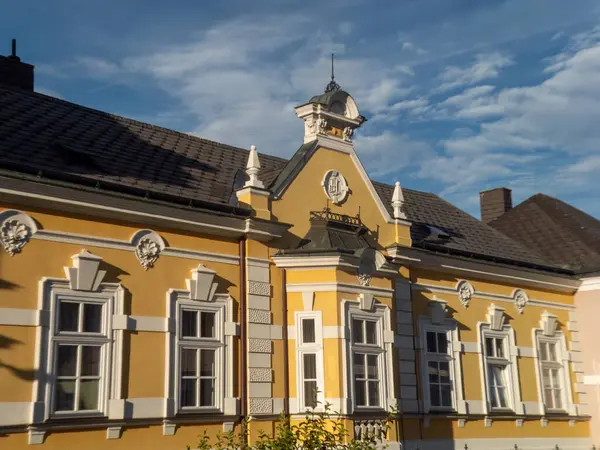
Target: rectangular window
pixel 438 361
pixel 310 360
pixel 497 362
pixel 552 373
pixel 366 358
pixel 198 377
pixel 79 342
pixel 200 358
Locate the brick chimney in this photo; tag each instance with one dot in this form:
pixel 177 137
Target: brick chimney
pixel 494 203
pixel 14 73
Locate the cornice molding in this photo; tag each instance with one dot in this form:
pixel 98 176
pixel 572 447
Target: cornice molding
pixel 417 258
pixel 152 214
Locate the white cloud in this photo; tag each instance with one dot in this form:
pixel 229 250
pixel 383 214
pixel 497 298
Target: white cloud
pixel 486 66
pixel 409 46
pixel 387 153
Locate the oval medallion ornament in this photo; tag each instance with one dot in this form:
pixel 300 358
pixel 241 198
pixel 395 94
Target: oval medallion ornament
pixel 335 186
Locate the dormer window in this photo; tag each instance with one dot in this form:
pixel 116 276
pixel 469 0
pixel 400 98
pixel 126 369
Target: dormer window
pixel 338 107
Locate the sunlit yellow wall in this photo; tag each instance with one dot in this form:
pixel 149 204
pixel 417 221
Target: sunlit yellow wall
pixel 146 291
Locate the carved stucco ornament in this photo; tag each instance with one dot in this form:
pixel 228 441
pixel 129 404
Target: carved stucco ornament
pixel 465 292
pixel 321 126
pixel 16 229
pixel 521 299
pixel 336 187
pixel 347 134
pixel 148 246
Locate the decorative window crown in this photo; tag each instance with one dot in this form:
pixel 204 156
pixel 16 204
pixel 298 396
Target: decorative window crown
pixel 496 317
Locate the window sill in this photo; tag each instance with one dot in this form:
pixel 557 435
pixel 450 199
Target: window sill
pixel 501 411
pixel 76 418
pixel 198 412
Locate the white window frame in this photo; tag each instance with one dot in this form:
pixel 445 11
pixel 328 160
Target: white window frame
pixel 111 297
pixel 513 394
pixel 562 355
pixel 222 343
pixel 449 327
pixel 315 348
pixel 380 314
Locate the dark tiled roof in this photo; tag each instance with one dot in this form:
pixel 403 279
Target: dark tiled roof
pixel 41 133
pixel 466 235
pixel 562 234
pixel 65 141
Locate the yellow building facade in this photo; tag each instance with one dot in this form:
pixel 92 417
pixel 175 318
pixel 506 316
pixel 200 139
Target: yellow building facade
pixel 130 321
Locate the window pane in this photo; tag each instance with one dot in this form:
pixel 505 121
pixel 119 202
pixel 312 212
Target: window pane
pixel 359 390
pixel 359 365
pixel 434 393
pixel 188 362
pixel 549 398
pixel 88 394
pixel 189 323
pixel 432 369
pixel 67 360
pixel 207 325
pixel 489 346
pixel 90 360
pixel 498 373
pixel 499 348
pixel 372 367
pixel 446 392
pixel 444 372
pixel 373 393
pixel 371 332
pixel 207 392
pixel 308 331
pixel 555 378
pixel 92 317
pixel 502 397
pixel 557 399
pixel 310 366
pixel 547 383
pixel 431 342
pixel 65 396
pixel 68 316
pixel 357 331
pixel 310 394
pixel 543 351
pixel 207 363
pixel 552 352
pixel 442 343
pixel 188 392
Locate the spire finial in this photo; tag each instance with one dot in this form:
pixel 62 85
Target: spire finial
pixel 252 169
pixel 332 73
pixel 398 202
pixel 332 86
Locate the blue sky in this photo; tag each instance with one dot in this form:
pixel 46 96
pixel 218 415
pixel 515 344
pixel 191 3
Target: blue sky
pixel 461 95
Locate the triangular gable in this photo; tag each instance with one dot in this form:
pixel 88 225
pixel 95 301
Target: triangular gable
pixel 303 155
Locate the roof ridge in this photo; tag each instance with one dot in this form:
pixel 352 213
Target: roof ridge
pixel 139 122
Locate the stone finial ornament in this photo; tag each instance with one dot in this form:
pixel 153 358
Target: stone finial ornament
pixel 398 202
pixel 252 169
